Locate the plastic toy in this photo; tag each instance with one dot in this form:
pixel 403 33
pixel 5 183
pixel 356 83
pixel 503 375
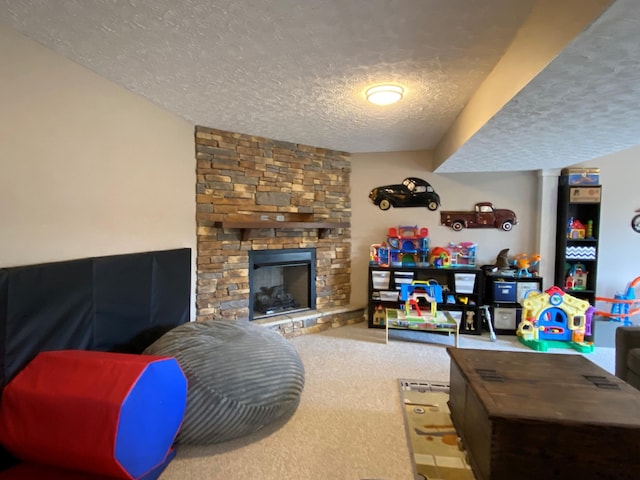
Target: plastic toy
pixel 429 290
pixel 576 277
pixel 380 254
pixel 469 323
pixel 524 263
pixel 576 229
pixel 623 305
pixel 379 315
pixel 556 317
pixel 412 192
pixel 374 254
pixel 406 246
pixel 440 257
pixel 463 254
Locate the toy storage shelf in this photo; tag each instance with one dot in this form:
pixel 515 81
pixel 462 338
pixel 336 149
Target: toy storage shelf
pixel 462 292
pixel 577 237
pixel 503 295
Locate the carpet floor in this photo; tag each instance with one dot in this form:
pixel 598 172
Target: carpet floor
pixel 349 425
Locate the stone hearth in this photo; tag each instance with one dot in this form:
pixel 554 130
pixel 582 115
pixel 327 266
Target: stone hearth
pixel 258 179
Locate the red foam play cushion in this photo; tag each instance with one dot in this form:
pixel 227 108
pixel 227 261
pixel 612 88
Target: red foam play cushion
pixel 103 413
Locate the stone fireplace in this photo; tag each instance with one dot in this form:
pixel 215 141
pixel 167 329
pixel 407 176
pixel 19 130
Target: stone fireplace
pixel 254 194
pixel 281 281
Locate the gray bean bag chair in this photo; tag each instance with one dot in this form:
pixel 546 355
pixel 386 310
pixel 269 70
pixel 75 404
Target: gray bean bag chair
pixel 241 377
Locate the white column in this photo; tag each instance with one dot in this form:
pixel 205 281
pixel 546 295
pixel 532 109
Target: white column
pixel 547 214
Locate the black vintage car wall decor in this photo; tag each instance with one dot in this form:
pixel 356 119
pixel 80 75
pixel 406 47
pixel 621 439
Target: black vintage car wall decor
pixel 412 192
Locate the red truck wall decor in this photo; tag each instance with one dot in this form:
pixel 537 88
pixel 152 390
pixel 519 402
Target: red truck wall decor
pixel 485 215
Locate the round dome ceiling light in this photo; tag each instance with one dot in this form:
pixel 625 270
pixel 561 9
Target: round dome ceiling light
pixel 385 94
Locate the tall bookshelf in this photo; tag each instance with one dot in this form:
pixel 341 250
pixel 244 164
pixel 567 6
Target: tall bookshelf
pixel 577 236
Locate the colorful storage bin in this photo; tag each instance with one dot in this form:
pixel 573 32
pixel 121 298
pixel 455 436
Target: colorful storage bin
pixel 504 292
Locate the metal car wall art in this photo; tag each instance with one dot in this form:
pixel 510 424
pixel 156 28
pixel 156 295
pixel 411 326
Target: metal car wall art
pixel 412 192
pixel 484 215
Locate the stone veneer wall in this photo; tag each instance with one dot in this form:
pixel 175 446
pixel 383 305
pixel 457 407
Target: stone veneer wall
pixel 242 174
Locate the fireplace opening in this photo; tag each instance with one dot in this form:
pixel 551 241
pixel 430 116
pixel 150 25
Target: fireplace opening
pixel 281 281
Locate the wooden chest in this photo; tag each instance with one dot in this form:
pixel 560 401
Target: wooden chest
pixel 531 415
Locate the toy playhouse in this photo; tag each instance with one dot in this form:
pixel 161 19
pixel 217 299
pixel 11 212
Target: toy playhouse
pixel 555 318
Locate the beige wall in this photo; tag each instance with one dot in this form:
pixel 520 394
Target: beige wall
pixel 619 256
pixel 460 191
pixel 87 168
pixel 532 195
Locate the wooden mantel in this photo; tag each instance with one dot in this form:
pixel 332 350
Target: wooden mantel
pixel 246 223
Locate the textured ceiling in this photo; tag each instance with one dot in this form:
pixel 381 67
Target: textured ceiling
pixel 297 70
pixel 584 105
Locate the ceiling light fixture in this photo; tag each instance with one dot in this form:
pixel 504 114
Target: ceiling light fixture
pixel 385 94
